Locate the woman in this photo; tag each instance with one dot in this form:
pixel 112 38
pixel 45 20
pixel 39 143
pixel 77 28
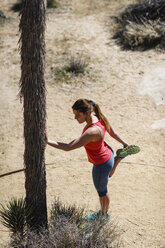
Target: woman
pixel 98 152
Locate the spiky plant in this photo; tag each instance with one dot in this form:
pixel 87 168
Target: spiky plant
pixel 77 65
pixel 15 214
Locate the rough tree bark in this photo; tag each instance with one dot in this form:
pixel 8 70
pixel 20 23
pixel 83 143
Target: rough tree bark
pixel 32 91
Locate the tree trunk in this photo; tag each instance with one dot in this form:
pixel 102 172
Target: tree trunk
pixel 32 90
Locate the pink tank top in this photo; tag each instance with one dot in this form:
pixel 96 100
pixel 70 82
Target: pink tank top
pixel 98 152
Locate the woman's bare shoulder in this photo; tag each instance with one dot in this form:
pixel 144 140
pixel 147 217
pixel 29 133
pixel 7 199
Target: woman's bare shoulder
pixel 94 130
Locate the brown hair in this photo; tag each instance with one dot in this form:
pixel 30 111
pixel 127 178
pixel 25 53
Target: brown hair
pixel 84 105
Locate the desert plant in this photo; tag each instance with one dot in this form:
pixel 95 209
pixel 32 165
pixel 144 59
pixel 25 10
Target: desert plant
pixel 141 36
pixel 76 65
pixel 61 75
pixel 76 231
pixel 72 213
pixel 15 215
pixel 141 26
pixel 63 234
pixel 71 68
pixel 68 228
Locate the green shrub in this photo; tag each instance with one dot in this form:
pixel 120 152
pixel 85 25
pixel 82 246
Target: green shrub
pixel 15 215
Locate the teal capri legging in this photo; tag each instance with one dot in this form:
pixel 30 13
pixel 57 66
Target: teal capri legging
pixel 100 174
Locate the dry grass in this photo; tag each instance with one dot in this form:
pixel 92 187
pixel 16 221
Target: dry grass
pixel 69 228
pixel 141 26
pixel 141 36
pixel 67 69
pixel 77 65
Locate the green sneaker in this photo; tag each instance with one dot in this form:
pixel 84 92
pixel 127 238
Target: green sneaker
pixel 118 152
pixel 129 150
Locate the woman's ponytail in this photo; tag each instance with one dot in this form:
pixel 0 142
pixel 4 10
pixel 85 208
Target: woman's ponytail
pixel 100 115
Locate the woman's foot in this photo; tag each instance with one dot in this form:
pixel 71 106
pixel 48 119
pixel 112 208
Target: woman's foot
pixel 129 150
pixel 98 215
pixel 94 216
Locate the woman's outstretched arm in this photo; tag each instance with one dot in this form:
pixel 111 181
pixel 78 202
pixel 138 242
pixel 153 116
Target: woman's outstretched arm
pixel 64 146
pixel 91 135
pixel 114 135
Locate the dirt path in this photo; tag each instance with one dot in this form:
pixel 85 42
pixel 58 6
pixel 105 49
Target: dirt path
pixel 137 190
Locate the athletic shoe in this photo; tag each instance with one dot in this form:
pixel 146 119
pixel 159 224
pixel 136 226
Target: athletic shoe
pixel 94 216
pixel 118 152
pixel 129 150
pixel 106 216
pixel 98 215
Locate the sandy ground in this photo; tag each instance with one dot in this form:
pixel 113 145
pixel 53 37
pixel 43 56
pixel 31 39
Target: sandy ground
pixel 115 82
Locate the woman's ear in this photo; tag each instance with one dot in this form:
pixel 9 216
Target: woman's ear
pixel 89 112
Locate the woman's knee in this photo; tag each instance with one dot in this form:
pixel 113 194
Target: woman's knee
pixel 102 193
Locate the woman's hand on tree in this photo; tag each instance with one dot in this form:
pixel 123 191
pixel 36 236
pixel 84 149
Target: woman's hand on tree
pixel 46 136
